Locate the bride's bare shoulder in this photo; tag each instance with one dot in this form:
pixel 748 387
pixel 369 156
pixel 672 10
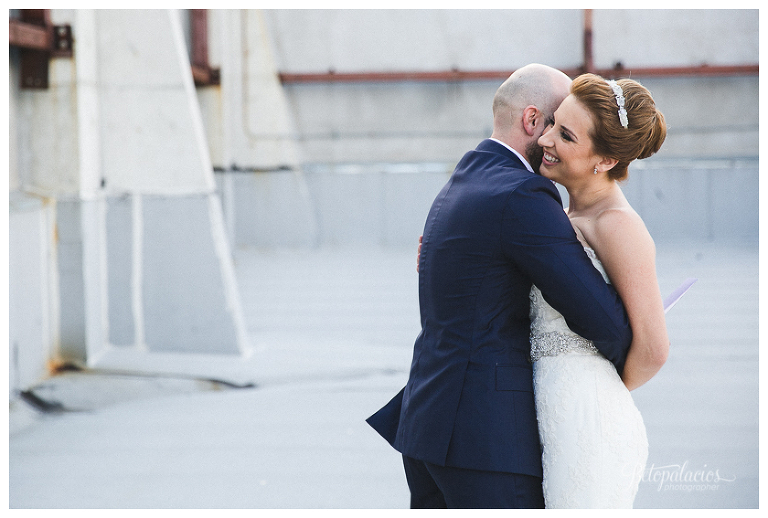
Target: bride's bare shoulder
pixel 621 227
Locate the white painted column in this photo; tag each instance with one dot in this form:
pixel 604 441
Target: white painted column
pixel 139 270
pixel 182 286
pixel 92 204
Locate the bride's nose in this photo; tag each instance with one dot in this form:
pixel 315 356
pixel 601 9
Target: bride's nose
pixel 544 139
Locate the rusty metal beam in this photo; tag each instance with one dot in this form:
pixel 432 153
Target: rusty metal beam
pixel 40 17
pixel 589 63
pixel 481 75
pixel 38 40
pixel 202 72
pixel 63 43
pixel 357 77
pixel 34 62
pixel 700 70
pixel 205 76
pixel 29 36
pixel 198 20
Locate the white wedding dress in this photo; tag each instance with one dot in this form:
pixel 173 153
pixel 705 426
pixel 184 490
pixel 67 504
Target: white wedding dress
pixel 594 446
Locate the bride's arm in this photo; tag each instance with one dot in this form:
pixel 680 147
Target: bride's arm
pixel 628 254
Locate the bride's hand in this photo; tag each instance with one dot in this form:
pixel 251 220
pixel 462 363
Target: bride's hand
pixel 418 254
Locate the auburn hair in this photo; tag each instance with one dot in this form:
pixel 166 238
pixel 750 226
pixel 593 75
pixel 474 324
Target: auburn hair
pixel 646 130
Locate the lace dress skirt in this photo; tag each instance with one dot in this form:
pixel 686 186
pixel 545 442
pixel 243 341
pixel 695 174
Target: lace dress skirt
pixel 594 445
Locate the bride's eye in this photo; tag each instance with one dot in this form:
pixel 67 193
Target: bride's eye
pixel 565 136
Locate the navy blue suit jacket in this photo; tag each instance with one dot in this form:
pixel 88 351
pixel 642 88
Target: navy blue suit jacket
pixel 493 231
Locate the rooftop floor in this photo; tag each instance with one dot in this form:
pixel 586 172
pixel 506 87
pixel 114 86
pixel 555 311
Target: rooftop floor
pixel 332 332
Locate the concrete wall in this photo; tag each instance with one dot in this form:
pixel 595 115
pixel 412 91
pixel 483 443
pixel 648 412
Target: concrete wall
pixel 33 288
pixel 247 117
pixel 350 137
pixel 697 200
pixel 437 121
pixel 386 205
pixel 116 225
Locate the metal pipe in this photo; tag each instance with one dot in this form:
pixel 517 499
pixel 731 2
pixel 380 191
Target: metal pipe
pixel 589 64
pixel 482 75
pixel 377 77
pixel 700 70
pixel 202 72
pixel 29 36
pixel 198 21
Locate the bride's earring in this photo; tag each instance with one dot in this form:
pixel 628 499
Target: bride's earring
pixel 595 170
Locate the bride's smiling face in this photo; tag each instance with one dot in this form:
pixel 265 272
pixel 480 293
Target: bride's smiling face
pixel 568 154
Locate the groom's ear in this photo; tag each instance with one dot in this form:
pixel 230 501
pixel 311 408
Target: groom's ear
pixel 531 119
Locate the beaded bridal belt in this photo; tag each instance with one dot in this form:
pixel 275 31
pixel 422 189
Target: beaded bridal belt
pixel 552 344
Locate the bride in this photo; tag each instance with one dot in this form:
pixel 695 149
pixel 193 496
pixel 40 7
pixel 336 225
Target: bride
pixel 593 438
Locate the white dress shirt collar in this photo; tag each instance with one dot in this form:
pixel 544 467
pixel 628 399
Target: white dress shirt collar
pixel 521 157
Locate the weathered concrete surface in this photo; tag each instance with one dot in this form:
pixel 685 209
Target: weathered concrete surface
pixel 332 333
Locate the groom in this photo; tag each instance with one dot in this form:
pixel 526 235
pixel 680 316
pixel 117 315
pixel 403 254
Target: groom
pixel 466 421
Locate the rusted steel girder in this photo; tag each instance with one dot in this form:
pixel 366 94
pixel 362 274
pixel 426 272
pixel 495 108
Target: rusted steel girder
pixel 478 75
pixel 202 72
pixel 29 36
pixel 38 40
pixel 589 63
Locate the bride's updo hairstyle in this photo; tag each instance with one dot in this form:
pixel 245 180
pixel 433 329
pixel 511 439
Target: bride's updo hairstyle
pixel 645 129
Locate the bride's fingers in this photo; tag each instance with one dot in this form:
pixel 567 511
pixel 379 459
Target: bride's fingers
pixel 418 254
pixel 418 258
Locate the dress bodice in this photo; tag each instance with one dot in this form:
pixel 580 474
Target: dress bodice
pixel 550 334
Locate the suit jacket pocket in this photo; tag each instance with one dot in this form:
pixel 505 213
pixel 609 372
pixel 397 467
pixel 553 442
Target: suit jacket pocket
pixel 513 377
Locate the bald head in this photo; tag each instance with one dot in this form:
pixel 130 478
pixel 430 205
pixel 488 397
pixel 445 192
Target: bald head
pixel 534 84
pixel 523 105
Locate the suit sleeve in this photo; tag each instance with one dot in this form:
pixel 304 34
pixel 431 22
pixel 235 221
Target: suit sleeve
pixel 539 239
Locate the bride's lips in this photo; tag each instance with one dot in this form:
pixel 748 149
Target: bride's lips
pixel 549 159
